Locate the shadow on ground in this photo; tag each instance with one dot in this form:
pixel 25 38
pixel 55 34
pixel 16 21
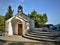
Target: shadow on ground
pixel 18 43
pixel 2 42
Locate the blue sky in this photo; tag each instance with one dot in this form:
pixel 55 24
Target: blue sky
pixel 51 7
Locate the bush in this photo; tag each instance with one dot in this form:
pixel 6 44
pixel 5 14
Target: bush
pixel 2 28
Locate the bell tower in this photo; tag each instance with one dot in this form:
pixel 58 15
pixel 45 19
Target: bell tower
pixel 20 8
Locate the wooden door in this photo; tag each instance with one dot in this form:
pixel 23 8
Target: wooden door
pixel 19 29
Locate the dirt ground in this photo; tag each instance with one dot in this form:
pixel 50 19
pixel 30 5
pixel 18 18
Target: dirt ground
pixel 2 42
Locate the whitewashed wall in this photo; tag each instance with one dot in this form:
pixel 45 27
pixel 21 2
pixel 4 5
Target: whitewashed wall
pixel 32 24
pixel 10 30
pixel 12 25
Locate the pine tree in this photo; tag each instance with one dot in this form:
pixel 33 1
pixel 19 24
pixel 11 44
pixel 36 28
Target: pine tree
pixel 9 14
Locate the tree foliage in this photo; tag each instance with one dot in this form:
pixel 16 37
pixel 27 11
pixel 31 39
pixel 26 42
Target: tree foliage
pixel 2 19
pixel 40 19
pixel 9 14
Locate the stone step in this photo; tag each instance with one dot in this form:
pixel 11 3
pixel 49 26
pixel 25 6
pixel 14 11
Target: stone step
pixel 50 35
pixel 39 39
pixel 45 34
pixel 41 36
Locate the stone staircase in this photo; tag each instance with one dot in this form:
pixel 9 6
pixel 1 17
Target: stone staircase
pixel 45 36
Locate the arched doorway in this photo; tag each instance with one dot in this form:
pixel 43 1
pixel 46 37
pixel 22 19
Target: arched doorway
pixel 17 26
